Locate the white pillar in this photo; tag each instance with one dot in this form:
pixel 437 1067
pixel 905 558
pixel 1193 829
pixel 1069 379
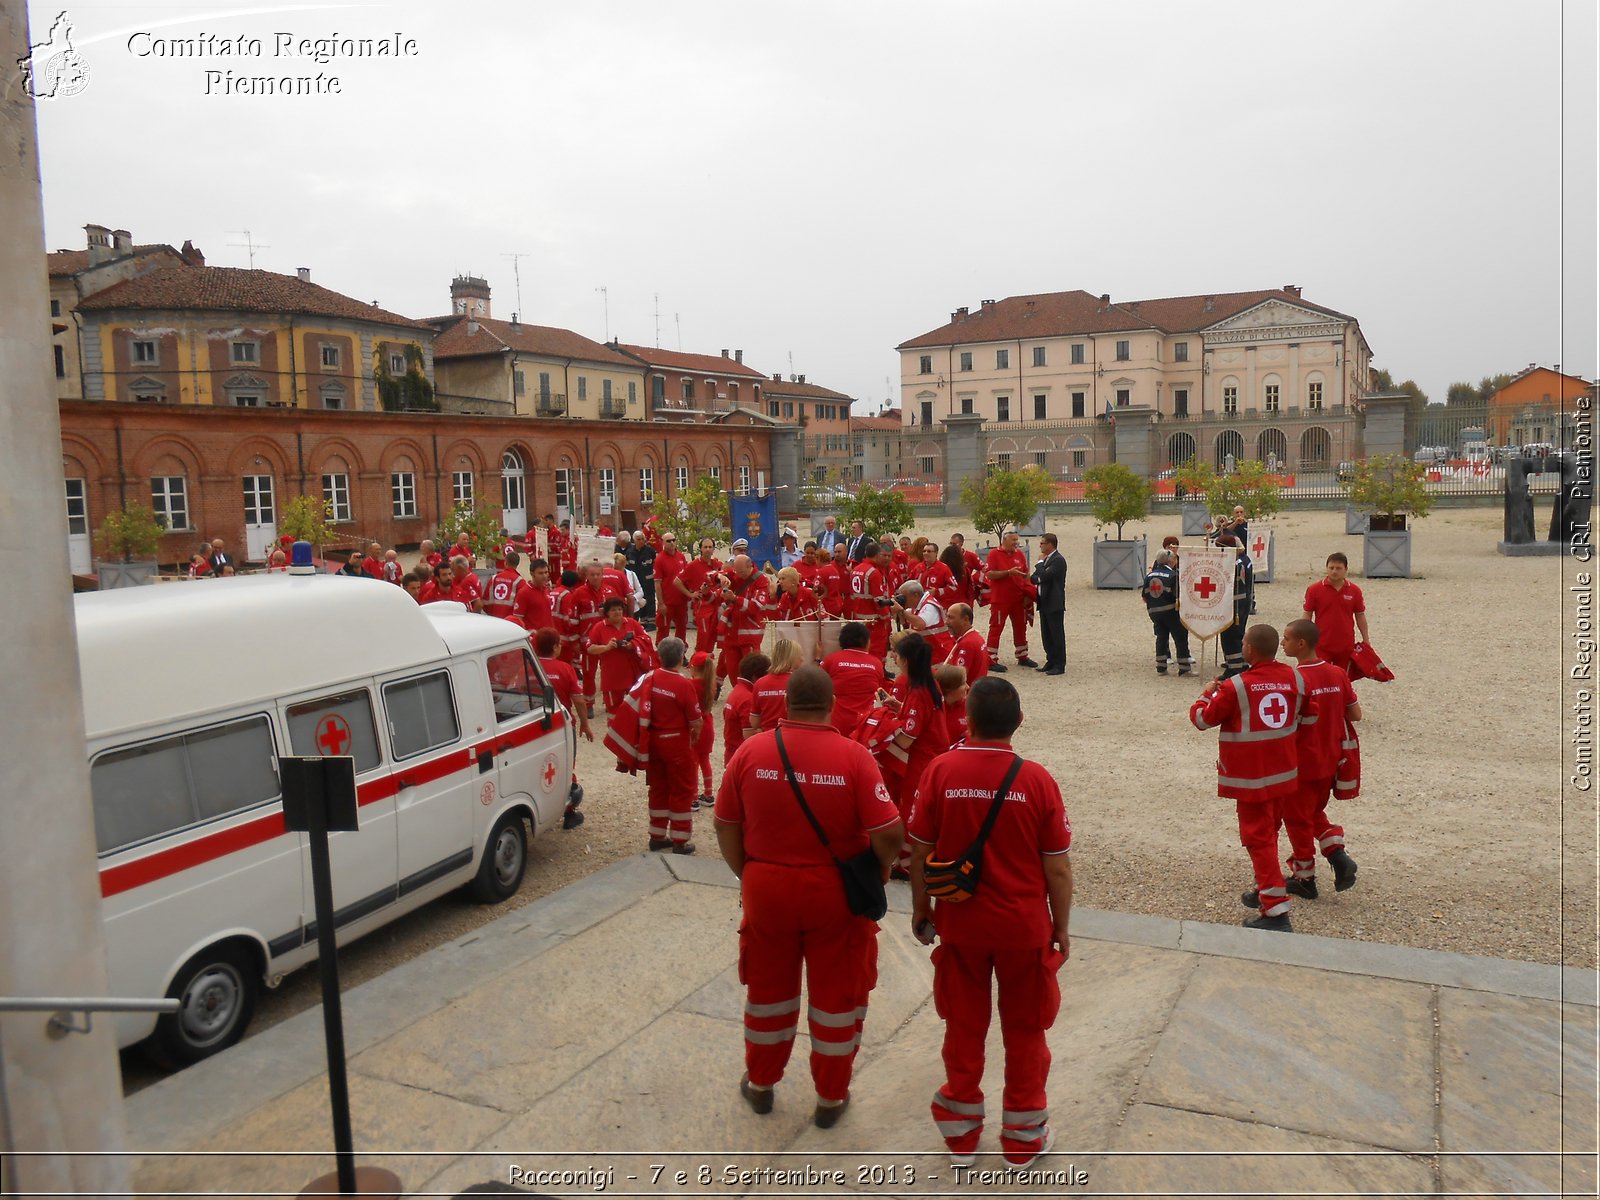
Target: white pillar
pixel 58 1094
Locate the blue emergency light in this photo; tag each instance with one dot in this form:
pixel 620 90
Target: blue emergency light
pixel 300 559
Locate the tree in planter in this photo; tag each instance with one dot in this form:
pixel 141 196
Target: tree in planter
pixel 1249 486
pixel 1002 499
pixel 305 519
pixel 481 525
pixel 1392 487
pixel 879 512
pixel 128 533
pixel 1116 495
pixel 700 511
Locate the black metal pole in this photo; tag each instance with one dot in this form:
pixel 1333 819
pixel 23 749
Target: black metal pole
pixel 332 1013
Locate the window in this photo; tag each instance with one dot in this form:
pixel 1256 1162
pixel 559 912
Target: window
pixel 564 488
pixel 924 364
pixel 1077 354
pixel 61 362
pixel 966 405
pixel 680 481
pixel 1038 356
pixel 55 308
pixel 336 725
pixel 330 357
pixel 461 488
pixel 516 684
pixel 1230 400
pixel 1314 396
pixel 966 360
pixel 1124 397
pixel 608 489
pixel 169 499
pixel 1180 402
pixel 145 352
pixel 658 389
pixel 772 408
pixel 927 412
pixel 744 480
pixel 925 464
pixel 688 390
pixel 1180 352
pixel 422 714
pixel 1272 397
pixel 605 390
pixel 544 386
pixel 1041 406
pixel 336 491
pixel 1002 462
pixel 242 400
pixel 1038 459
pixel 1002 408
pixel 583 387
pixel 633 391
pixel 160 787
pixel 519 383
pixel 245 352
pixel 647 485
pixel 1078 459
pixel 1078 402
pixel 397 364
pixel 403 493
pixel 1122 350
pixel 332 396
pixel 715 471
pixel 1002 359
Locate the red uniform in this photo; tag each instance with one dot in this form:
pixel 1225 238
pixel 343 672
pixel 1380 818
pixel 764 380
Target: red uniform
pixel 562 678
pixel 1004 931
pixel 1258 712
pixel 467 590
pixel 977 586
pixel 968 651
pixel 955 720
pixel 857 676
pixel 1319 747
pixel 835 587
pixel 1334 612
pixel 674 619
pixel 799 605
pixel 745 618
pixel 429 593
pixel 393 572
pixel 615 583
pixel 931 613
pixel 536 606
pixel 1008 601
pixel 939 582
pixel 736 717
pixel 620 668
pixel 501 598
pixel 795 913
pixel 670 773
pixel 373 567
pixel 772 700
pixel 696 576
pixel 899 568
pixel 433 558
pixel 923 721
pixel 869 589
pixel 576 611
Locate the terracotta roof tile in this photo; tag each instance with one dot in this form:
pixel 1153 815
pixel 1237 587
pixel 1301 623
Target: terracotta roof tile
pixel 883 422
pixel 73 262
pixel 777 389
pixel 235 289
pixel 708 364
pixel 496 337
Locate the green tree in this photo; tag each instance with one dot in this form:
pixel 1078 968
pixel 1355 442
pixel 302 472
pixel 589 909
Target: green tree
pixel 1390 484
pixel 880 513
pixel 129 532
pixel 481 525
pixel 1116 495
pixel 1462 395
pixel 1194 480
pixel 306 519
pixel 1001 499
pixel 1250 485
pixel 700 511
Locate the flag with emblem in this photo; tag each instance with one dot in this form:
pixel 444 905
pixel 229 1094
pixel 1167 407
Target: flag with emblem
pixel 1205 590
pixel 1260 549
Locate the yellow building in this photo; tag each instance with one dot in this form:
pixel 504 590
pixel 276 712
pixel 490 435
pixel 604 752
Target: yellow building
pixel 490 366
pixel 226 336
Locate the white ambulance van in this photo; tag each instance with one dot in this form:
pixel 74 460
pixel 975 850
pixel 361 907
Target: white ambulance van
pixel 191 691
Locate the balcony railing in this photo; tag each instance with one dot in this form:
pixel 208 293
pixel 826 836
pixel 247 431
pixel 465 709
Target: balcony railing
pixel 551 404
pixel 613 409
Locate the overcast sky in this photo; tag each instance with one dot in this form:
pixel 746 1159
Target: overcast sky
pixel 826 179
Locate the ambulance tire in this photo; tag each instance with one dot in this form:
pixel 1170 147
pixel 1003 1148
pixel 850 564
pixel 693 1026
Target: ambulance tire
pixel 218 989
pixel 505 859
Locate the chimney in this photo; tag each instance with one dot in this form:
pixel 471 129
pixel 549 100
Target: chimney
pixel 99 242
pixel 191 254
pixel 1105 297
pixel 472 324
pixel 516 326
pixel 1293 289
pixel 1210 305
pixel 304 273
pixel 777 377
pixel 988 304
pixel 121 242
pixel 960 314
pixel 724 354
pixel 738 356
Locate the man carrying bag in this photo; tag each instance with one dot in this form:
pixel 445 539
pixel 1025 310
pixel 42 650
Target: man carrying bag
pixel 798 807
pixel 990 839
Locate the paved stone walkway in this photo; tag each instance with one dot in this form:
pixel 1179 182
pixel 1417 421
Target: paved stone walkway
pixel 597 1032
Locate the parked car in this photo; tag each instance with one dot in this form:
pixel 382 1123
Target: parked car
pixel 1346 472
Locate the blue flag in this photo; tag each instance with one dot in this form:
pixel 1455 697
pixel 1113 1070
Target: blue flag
pixel 755 518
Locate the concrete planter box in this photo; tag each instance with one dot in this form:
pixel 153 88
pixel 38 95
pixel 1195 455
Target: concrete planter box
pixel 1386 554
pixel 125 574
pixel 1355 521
pixel 1121 565
pixel 1195 517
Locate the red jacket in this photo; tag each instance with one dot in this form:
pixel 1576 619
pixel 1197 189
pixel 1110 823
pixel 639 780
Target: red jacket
pixel 1258 713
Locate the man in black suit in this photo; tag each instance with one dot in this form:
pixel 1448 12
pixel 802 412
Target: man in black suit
pixel 220 557
pixel 862 544
pixel 1050 577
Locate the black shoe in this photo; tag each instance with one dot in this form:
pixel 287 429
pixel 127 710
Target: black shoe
pixel 1251 899
pixel 1182 671
pixel 1055 670
pixel 661 843
pixel 996 669
pixel 1275 924
pixel 683 848
pixel 575 794
pixel 1306 889
pixel 1161 670
pixel 1025 661
pixel 1344 870
pixel 759 1099
pixel 827 1115
pixel 571 819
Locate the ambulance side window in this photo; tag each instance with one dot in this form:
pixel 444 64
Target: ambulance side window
pixel 331 726
pixel 422 714
pixel 517 684
pixel 146 791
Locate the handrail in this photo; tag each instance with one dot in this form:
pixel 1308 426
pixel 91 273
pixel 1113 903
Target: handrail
pixel 63 1008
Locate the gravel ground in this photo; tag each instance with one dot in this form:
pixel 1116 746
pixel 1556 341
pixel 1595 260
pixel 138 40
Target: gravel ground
pixel 1459 832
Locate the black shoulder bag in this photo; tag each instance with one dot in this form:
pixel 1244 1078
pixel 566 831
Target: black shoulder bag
pixel 957 880
pixel 862 875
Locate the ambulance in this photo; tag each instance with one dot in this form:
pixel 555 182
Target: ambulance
pixel 192 691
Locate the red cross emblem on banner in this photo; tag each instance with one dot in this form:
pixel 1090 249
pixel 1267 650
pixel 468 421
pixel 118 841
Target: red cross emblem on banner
pixel 333 735
pixel 1259 546
pixel 1205 587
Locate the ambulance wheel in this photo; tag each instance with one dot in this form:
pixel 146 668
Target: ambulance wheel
pixel 504 861
pixel 217 991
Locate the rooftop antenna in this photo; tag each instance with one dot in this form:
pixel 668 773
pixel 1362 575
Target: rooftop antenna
pixel 791 364
pixel 658 320
pixel 679 324
pixel 606 298
pixel 888 390
pixel 516 273
pixel 248 245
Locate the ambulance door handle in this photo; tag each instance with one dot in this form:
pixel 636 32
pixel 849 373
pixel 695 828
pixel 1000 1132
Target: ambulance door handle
pixel 407 782
pixel 485 761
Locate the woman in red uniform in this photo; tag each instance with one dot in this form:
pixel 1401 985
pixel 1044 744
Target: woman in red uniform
pixel 703 672
pixel 771 703
pixel 923 736
pixel 621 649
pixel 795 602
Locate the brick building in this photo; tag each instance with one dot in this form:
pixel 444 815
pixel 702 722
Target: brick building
pixel 823 416
pixel 696 387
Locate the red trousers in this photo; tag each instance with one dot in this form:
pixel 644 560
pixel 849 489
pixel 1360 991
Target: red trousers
pixel 733 652
pixel 669 778
pixel 705 630
pixel 1030 998
pixel 794 917
pixel 673 619
pixel 1258 834
pixel 1305 817
pixel 1017 614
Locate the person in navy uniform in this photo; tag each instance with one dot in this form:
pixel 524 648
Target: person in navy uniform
pixel 1244 598
pixel 1160 592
